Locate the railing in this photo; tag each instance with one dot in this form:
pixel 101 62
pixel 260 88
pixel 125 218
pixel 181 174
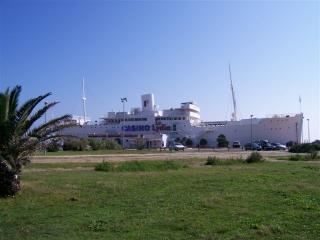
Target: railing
pixel 282 115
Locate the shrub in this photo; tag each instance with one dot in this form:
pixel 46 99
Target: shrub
pixel 97 144
pixel 304 148
pixel 290 144
pixel 254 157
pixel 54 146
pixel 112 145
pixel 189 142
pixel 222 141
pixel 140 144
pixel 314 155
pixel 75 144
pixel 104 166
pixel 203 142
pixel 211 161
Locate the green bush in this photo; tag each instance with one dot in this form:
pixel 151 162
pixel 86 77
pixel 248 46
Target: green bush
pixel 140 144
pixel 104 166
pixel 305 148
pixel 254 157
pixel 314 155
pixel 54 146
pixel 211 161
pixel 97 144
pixel 222 141
pixel 203 142
pixel 112 145
pixel 75 144
pixel 188 142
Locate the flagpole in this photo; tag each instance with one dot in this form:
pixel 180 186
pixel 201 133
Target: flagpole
pixel 302 118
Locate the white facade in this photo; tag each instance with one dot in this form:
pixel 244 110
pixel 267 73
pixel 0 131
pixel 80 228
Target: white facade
pixel 149 123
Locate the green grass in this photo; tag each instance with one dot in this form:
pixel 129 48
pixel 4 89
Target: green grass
pixel 98 152
pixel 301 157
pixel 139 166
pixel 239 201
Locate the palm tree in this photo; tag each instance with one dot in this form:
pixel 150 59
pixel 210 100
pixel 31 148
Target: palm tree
pixel 19 139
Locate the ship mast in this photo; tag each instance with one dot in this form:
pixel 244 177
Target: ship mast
pixel 234 114
pixel 84 103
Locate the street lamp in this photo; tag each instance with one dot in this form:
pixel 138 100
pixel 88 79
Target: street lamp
pixel 123 100
pixel 251 127
pixel 308 130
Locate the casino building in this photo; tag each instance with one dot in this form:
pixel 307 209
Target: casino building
pixel 148 125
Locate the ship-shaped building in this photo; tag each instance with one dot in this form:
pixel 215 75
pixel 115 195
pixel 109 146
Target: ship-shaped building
pixel 147 124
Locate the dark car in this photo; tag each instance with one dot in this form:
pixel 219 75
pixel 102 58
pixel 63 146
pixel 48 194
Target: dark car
pixel 279 146
pixel 265 145
pixel 252 146
pixel 236 144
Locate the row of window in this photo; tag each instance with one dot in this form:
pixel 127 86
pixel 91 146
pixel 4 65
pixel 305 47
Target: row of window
pixel 170 118
pixel 126 120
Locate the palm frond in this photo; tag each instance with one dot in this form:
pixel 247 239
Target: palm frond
pixel 26 109
pixel 14 100
pixel 28 123
pixel 4 107
pixel 63 121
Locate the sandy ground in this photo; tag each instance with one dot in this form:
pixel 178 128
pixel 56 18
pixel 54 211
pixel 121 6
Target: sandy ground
pixel 224 154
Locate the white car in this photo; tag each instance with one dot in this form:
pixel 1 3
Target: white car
pixel 177 147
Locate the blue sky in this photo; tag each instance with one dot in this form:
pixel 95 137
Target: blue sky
pixel 177 50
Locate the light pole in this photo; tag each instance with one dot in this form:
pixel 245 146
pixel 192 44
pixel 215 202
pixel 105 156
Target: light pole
pixel 45 121
pixel 251 128
pixel 123 100
pixel 308 130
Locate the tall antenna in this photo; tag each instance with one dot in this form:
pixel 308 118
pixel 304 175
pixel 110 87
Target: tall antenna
pixel 84 102
pixel 300 100
pixel 234 114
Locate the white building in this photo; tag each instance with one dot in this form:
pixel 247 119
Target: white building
pixel 147 124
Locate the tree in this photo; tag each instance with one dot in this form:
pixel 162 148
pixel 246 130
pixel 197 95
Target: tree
pixel 222 141
pixel 203 142
pixel 189 142
pixel 19 139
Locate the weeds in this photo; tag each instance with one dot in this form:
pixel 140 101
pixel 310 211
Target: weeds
pixel 254 157
pixel 211 161
pixel 308 157
pixel 139 166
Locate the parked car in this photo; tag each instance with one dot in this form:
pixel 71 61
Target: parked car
pixel 252 146
pixel 176 147
pixel 279 146
pixel 265 145
pixel 236 144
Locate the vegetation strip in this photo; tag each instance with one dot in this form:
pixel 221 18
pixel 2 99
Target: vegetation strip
pixel 238 201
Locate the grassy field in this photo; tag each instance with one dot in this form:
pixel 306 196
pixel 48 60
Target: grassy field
pixel 99 152
pixel 237 201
